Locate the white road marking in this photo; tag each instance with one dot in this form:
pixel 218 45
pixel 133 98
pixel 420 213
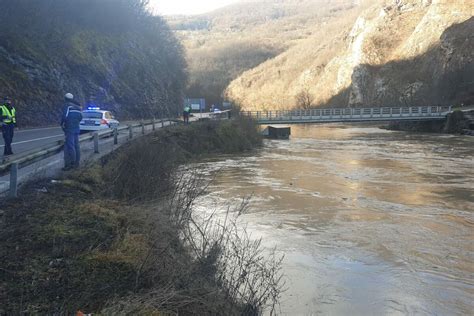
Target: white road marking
pixel 36 129
pixel 32 140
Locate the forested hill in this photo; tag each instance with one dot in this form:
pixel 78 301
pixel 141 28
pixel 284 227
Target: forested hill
pixel 279 54
pixel 111 53
pixel 222 44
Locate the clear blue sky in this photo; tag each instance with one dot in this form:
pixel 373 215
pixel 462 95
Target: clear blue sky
pixel 166 7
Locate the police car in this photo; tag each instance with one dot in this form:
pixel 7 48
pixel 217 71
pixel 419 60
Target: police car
pixel 95 119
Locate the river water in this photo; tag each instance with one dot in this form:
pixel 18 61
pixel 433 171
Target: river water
pixel 371 222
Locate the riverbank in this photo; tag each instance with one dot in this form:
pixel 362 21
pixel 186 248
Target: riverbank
pixel 119 236
pixel 457 122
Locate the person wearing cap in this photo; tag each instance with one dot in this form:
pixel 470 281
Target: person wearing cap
pixel 70 123
pixel 8 122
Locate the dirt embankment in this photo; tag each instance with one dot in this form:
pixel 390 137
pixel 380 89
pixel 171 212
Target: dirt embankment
pixel 457 122
pixel 115 237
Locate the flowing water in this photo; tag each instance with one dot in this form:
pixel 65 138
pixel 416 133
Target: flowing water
pixel 371 222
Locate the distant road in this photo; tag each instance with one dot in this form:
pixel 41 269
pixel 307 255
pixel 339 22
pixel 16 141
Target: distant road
pixel 29 139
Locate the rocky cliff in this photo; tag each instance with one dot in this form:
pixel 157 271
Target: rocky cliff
pixel 109 53
pixel 397 52
pixel 221 45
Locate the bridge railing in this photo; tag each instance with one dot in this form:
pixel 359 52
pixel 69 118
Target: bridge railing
pixel 325 114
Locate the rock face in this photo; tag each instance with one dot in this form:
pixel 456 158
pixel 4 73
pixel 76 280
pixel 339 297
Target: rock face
pixel 134 69
pixel 457 122
pixel 398 52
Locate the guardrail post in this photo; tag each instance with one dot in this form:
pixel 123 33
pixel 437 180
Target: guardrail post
pixel 96 143
pixel 115 136
pixel 14 180
pixel 143 128
pixel 130 132
pixel 162 123
pixel 153 125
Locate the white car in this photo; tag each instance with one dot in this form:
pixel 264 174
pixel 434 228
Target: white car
pixel 95 119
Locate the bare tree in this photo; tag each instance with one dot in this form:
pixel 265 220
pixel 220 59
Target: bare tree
pixel 304 99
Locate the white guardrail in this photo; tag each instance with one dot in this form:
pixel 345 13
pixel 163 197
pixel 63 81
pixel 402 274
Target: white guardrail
pixel 12 167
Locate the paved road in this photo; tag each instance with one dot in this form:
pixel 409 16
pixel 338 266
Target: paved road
pixel 30 139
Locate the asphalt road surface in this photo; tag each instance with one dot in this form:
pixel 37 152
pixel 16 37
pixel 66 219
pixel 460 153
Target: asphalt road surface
pixel 27 140
pixel 31 139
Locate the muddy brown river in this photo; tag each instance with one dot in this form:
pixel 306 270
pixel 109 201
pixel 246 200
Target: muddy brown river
pixel 371 222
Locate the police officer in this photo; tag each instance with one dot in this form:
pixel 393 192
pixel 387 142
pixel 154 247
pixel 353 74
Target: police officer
pixel 186 114
pixel 8 122
pixel 70 123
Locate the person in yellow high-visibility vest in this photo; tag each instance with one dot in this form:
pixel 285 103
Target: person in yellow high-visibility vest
pixel 186 114
pixel 8 122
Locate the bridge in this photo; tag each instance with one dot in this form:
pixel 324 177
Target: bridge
pixel 334 115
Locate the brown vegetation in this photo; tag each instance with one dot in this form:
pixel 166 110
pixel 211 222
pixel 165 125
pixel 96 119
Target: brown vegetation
pixel 101 241
pixel 390 53
pixel 223 44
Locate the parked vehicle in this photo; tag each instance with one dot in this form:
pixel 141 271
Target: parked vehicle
pixel 95 119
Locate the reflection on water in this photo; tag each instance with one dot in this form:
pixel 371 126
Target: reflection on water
pixel 370 221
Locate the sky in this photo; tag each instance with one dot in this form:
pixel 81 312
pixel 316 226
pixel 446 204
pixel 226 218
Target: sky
pixel 188 7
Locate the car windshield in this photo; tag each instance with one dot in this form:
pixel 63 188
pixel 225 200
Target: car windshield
pixel 92 115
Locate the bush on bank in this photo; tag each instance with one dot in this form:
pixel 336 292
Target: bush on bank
pixel 114 238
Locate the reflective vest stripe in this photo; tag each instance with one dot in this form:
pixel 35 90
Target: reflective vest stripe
pixel 69 110
pixel 11 116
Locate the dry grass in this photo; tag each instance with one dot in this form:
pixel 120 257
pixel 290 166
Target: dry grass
pixel 113 245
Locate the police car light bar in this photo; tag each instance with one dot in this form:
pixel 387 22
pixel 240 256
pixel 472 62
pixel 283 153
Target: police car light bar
pixel 93 108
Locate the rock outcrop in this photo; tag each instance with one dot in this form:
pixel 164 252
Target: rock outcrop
pixel 109 53
pixel 398 52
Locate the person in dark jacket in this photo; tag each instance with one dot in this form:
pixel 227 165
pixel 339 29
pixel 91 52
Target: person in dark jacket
pixel 8 123
pixel 70 123
pixel 186 114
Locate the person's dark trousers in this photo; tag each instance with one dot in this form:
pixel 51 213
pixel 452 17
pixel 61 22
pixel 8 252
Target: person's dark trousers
pixel 185 117
pixel 7 131
pixel 72 150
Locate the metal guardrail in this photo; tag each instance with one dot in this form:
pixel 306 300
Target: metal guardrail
pixel 18 163
pixel 327 115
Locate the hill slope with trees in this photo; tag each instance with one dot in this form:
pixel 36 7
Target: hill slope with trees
pixel 113 54
pixel 221 45
pixel 396 53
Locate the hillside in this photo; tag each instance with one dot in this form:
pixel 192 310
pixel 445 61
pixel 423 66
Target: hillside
pixel 110 53
pixel 399 52
pixel 221 45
